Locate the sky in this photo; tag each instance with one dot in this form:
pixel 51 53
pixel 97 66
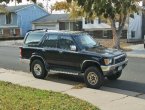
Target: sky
pixel 46 3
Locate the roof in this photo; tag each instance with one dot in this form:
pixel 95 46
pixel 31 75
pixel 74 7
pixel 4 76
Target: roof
pixel 57 31
pixel 98 27
pixel 102 26
pixel 53 18
pixel 16 8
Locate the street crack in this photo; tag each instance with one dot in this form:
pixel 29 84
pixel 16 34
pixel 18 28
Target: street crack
pixel 120 98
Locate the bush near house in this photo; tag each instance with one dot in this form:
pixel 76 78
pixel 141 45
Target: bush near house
pixel 15 97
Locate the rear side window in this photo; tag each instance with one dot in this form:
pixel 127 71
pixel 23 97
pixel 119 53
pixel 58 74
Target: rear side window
pixel 51 41
pixel 34 38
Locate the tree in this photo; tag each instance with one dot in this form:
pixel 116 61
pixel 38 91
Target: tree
pixel 112 10
pixel 3 9
pixel 71 7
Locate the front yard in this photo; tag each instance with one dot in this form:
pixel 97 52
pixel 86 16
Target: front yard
pixel 15 97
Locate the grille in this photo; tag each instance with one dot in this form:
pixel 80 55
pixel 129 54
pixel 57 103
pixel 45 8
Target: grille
pixel 120 59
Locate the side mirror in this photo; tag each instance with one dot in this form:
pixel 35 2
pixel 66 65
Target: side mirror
pixel 73 48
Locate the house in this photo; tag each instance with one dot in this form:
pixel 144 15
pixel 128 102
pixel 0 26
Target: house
pixel 143 21
pixel 19 19
pixel 100 29
pixel 57 22
pixel 96 28
pixel 135 27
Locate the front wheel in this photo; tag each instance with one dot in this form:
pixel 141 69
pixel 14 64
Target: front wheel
pixel 114 76
pixel 93 77
pixel 38 69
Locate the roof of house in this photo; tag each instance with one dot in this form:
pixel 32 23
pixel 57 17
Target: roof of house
pixel 53 18
pixel 16 8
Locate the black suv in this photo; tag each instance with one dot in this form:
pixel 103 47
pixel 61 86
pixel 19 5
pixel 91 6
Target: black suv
pixel 71 53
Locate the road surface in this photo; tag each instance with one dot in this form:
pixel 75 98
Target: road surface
pixel 132 79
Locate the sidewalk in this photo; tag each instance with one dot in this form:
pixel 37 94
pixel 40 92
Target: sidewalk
pixel 137 51
pixel 105 98
pixel 13 43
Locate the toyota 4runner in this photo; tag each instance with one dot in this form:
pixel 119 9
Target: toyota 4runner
pixel 74 53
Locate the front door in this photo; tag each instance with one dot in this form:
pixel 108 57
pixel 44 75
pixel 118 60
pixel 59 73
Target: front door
pixel 68 58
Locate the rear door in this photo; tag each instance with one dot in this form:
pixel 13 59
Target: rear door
pixel 50 49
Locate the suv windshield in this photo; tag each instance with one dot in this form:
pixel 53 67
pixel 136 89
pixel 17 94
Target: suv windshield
pixel 86 41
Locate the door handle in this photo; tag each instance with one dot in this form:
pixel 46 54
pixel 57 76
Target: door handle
pixel 60 51
pixel 44 50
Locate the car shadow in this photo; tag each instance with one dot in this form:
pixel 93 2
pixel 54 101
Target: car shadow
pixel 119 86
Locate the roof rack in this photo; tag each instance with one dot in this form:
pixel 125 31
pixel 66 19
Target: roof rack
pixel 37 30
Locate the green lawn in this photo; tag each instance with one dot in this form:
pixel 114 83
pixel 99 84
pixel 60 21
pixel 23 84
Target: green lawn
pixel 15 97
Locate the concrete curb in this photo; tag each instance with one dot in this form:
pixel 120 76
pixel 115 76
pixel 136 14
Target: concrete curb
pixel 135 56
pixel 105 98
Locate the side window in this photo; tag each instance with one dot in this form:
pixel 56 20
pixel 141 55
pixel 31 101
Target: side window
pixel 133 34
pixel 51 41
pixel 65 42
pixel 34 38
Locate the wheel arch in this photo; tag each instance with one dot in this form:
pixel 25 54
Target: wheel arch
pixel 89 63
pixel 37 57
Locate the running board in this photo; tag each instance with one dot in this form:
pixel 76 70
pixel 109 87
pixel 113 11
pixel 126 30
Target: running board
pixel 64 72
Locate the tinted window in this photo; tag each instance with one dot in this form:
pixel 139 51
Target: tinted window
pixel 34 38
pixel 51 41
pixel 65 42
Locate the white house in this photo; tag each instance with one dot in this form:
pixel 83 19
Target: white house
pixel 100 29
pixel 57 22
pixel 135 27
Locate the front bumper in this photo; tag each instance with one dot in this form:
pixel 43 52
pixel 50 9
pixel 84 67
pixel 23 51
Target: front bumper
pixel 112 69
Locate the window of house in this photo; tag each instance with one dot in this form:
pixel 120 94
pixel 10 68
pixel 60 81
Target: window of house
pixel 69 26
pixel 8 18
pixel 89 21
pixel 66 26
pixel 133 34
pixel 132 15
pixel 1 31
pixel 105 33
pixel 51 41
pixel 99 20
pixel 12 31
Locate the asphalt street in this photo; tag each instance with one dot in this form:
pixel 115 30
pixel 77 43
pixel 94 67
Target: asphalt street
pixel 132 79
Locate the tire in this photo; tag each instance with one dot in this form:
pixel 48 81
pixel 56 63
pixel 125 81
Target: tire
pixel 38 69
pixel 115 76
pixel 93 72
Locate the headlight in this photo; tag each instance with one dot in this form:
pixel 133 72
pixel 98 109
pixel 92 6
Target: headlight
pixel 107 61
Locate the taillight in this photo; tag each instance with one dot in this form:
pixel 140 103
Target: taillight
pixel 20 52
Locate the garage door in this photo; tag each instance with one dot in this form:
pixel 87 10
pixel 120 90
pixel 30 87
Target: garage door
pixel 50 27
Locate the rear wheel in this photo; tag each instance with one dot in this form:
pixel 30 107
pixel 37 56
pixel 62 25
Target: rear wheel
pixel 93 77
pixel 114 76
pixel 38 69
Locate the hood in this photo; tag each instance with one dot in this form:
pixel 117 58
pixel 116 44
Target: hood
pixel 108 52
